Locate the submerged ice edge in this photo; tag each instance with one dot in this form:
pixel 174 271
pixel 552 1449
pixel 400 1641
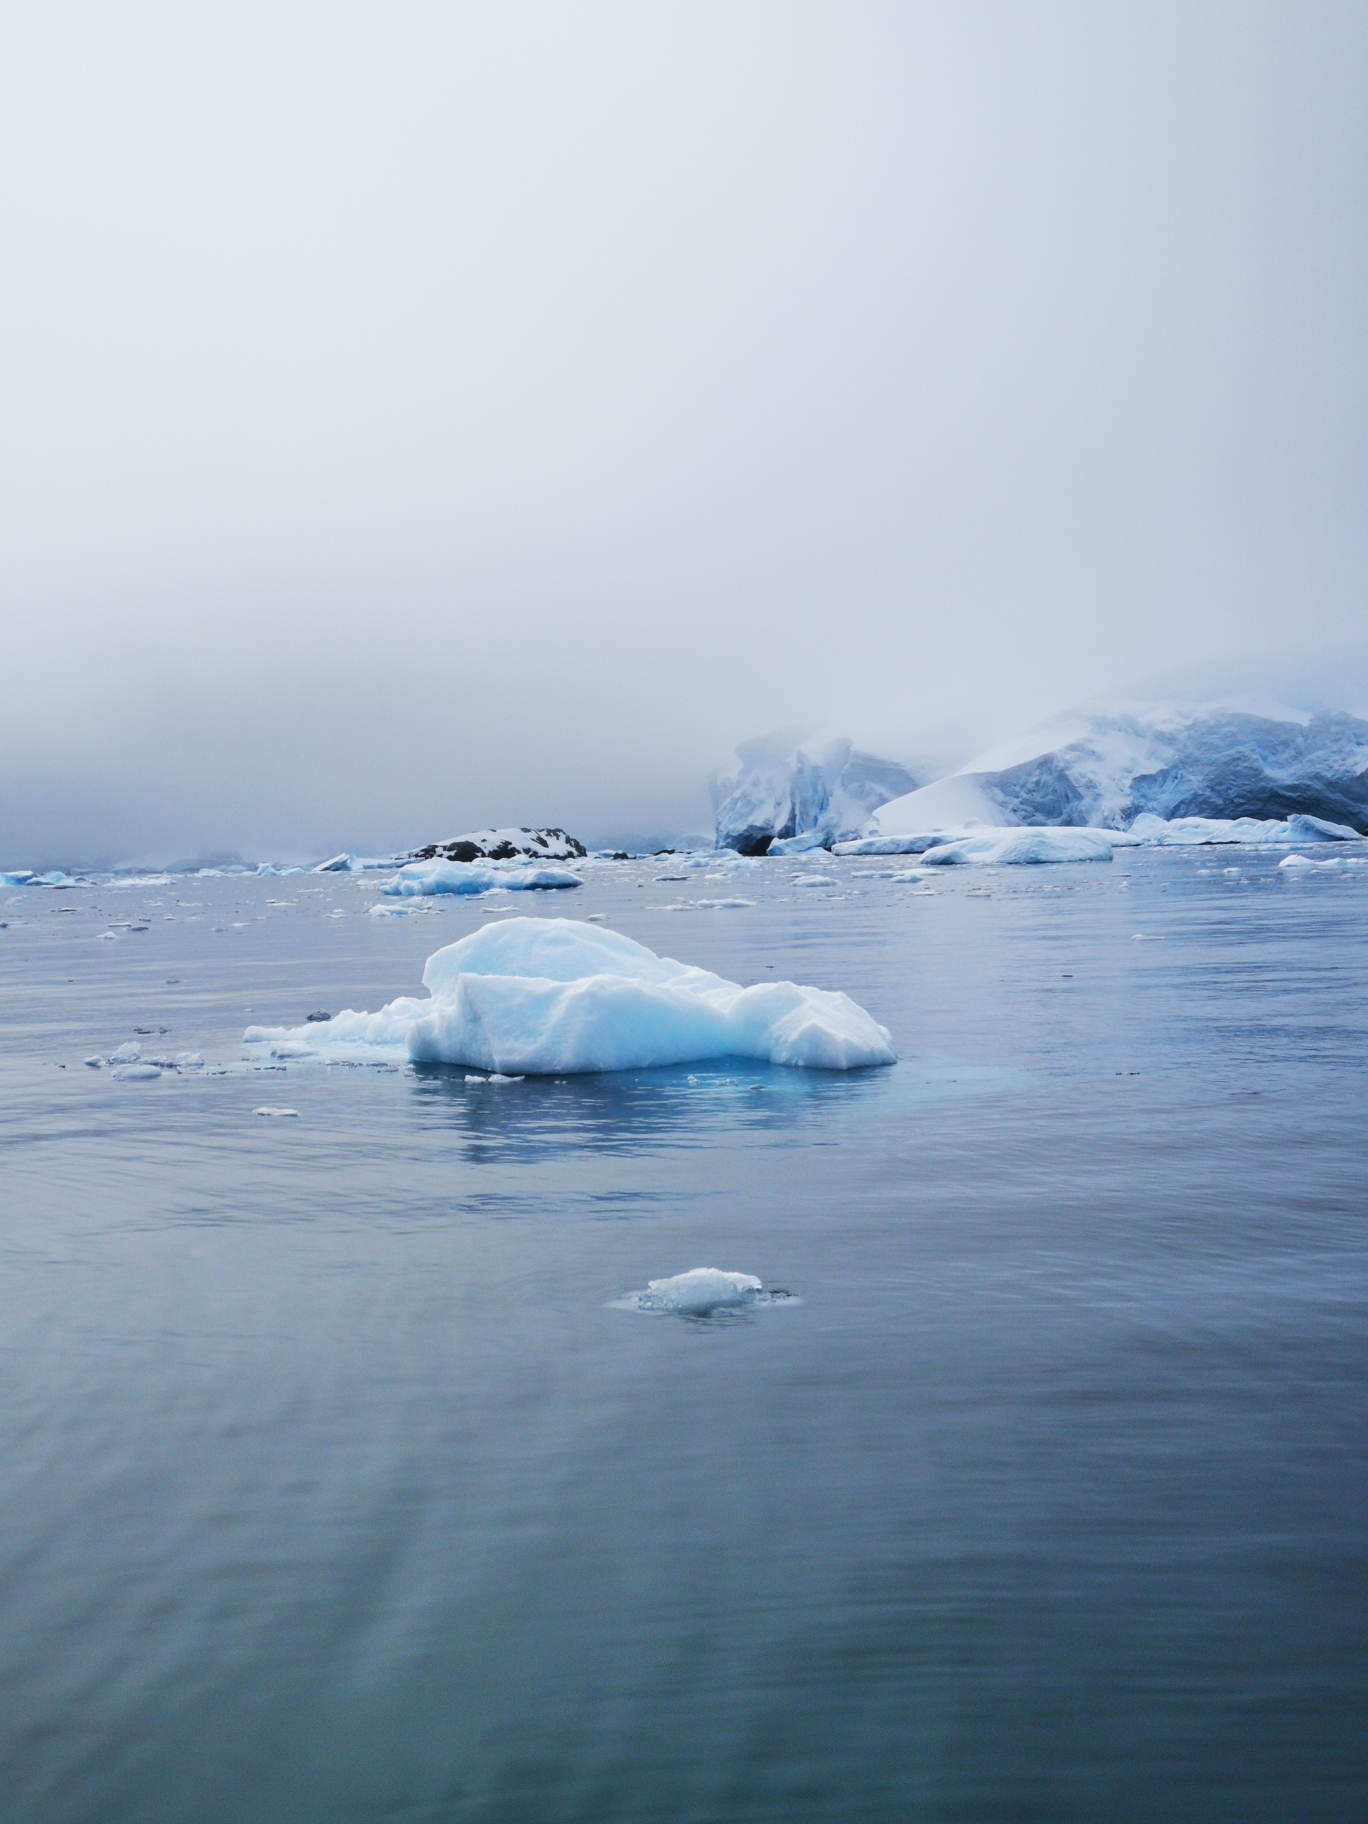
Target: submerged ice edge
pixel 552 997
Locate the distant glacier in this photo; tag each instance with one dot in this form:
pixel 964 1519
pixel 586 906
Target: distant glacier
pixel 1095 769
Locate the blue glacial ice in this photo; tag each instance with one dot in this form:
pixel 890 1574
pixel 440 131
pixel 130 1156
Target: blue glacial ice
pixel 1169 765
pixel 799 798
pixel 532 996
pixel 421 879
pixel 1019 848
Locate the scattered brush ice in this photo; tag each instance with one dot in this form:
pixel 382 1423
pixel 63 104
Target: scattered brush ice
pixel 701 1292
pixel 278 1114
pixel 136 1073
pixel 532 996
pixel 419 879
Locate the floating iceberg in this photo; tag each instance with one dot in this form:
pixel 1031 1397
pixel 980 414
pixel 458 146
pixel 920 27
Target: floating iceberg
pixel 420 879
pixel 800 798
pixel 504 845
pixel 1107 769
pixel 701 1292
pixel 532 996
pixel 1189 832
pixel 1020 848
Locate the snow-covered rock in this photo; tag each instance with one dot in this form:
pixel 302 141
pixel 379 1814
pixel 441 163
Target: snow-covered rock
pixel 1109 768
pixel 504 845
pixel 531 996
pixel 782 791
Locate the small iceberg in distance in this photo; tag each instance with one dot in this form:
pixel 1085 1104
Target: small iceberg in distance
pixel 702 1292
pixel 420 879
pixel 557 996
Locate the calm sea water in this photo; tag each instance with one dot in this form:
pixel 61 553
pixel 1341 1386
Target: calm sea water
pixel 333 1488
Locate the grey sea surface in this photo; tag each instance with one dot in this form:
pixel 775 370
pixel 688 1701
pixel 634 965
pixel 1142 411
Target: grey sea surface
pixel 335 1488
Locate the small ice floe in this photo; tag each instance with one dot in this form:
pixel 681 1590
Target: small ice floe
pixel 189 1060
pixel 136 1073
pixel 811 880
pixel 703 1292
pixel 94 1063
pixel 723 905
pixel 277 1114
pixel 1145 937
pixel 126 1054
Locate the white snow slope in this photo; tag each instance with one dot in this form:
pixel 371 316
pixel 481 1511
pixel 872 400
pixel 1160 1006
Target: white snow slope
pixel 1108 769
pixel 533 996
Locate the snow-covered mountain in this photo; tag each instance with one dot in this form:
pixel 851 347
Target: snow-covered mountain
pixel 810 797
pixel 1106 768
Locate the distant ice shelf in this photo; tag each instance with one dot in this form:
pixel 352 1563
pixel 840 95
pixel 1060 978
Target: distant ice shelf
pixel 530 996
pixel 1009 844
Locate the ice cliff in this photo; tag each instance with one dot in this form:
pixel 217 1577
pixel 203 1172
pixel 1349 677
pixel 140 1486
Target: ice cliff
pixel 780 793
pixel 1108 769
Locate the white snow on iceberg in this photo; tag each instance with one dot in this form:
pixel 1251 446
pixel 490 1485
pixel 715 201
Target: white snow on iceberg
pixel 701 1292
pixel 1020 848
pixel 1266 832
pixel 533 996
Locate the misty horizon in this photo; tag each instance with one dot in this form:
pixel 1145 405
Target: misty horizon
pixel 424 422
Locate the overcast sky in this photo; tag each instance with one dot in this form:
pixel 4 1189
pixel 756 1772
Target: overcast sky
pixel 417 417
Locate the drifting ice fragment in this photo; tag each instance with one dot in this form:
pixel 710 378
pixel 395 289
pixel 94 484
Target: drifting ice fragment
pixel 701 1292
